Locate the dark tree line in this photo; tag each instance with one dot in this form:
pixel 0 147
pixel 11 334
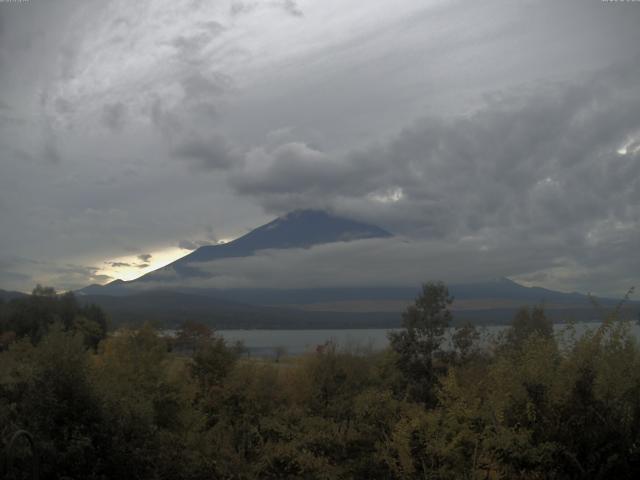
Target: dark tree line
pixel 32 316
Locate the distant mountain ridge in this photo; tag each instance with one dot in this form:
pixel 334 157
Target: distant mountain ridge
pixel 7 295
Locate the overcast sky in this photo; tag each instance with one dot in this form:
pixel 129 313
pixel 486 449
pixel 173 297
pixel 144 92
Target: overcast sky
pixel 133 131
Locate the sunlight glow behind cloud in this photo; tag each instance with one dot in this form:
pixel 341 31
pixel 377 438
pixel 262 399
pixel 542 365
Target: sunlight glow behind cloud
pixel 131 267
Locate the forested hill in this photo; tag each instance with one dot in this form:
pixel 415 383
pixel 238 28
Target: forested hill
pixel 7 295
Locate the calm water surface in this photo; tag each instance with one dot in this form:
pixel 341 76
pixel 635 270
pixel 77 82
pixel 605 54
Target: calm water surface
pixel 296 342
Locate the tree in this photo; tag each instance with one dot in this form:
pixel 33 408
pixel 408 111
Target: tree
pixel 424 324
pixel 191 336
pixel 465 339
pixel 527 322
pixel 34 315
pixel 212 362
pixel 47 390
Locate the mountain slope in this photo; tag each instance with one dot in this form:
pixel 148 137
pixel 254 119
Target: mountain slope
pixel 492 302
pixel 6 295
pixel 297 229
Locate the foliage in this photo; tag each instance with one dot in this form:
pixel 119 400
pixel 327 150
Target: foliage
pixel 424 324
pixel 527 322
pixel 32 317
pixel 532 405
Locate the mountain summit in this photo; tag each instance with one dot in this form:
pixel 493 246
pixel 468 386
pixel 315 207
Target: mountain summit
pixel 297 229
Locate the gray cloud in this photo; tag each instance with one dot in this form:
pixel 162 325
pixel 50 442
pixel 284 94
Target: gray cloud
pixel 292 7
pixel 10 274
pixel 528 166
pixel 455 122
pixel 24 273
pixel 198 86
pixel 8 277
pixel 239 8
pixel 378 262
pixel 211 152
pixel 63 106
pixel 102 278
pixel 539 162
pixel 7 116
pixel 190 46
pixel 50 151
pixel 243 7
pixel 114 115
pixel 187 245
pixel 192 245
pixel 145 257
pixel 118 264
pixel 402 262
pixel 293 171
pixel 62 276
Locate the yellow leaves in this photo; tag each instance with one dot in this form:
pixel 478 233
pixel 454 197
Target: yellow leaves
pixel 401 457
pixel 530 412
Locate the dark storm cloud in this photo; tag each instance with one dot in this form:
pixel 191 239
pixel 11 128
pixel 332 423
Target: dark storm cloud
pixel 527 161
pixel 540 165
pixel 295 172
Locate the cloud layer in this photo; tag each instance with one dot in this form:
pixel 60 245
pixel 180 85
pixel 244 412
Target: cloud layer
pixel 137 127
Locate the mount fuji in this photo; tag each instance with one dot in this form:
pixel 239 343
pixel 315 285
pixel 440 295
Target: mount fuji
pixel 187 296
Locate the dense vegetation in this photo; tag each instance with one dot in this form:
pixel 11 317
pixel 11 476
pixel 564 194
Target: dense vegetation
pixel 527 405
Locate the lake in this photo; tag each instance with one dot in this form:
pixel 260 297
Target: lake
pixel 263 343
